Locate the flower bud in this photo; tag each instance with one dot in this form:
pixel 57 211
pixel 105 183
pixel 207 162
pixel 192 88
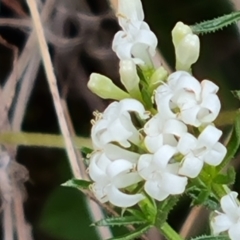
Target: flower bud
pixel 159 76
pixel 187 46
pixel 105 88
pixel 128 74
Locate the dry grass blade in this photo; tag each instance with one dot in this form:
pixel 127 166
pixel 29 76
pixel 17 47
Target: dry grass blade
pixel 53 87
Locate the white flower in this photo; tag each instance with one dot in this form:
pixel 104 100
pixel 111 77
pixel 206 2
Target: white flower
pixel 113 170
pixel 185 98
pixel 161 131
pixel 115 124
pixel 160 175
pixel 205 148
pixel 230 219
pixel 136 40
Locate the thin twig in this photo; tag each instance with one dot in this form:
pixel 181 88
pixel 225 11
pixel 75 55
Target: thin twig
pixel 53 86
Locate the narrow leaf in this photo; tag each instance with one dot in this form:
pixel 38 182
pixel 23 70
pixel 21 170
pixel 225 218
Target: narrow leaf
pixel 232 145
pixel 119 221
pixel 77 183
pixel 226 179
pixel 221 237
pixel 135 234
pixel 216 24
pixel 85 151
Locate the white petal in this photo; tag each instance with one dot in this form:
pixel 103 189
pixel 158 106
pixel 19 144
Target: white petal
pixel 208 87
pixel 121 199
pixel 100 192
pixel 234 231
pixel 186 143
pixel 114 152
pixel 175 127
pixel 132 105
pixel 153 143
pixel 191 166
pixel 145 166
pixel 163 156
pixel 215 156
pixel 173 184
pixel 98 165
pixel 154 190
pixel 229 205
pixel 209 136
pixel 154 126
pixel 125 180
pixel 117 167
pixel 220 224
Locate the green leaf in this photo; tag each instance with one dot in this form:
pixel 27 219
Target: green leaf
pixel 85 151
pixel 216 24
pixel 233 144
pixel 204 237
pixel 77 183
pixel 227 179
pixel 119 221
pixel 135 234
pixel 164 208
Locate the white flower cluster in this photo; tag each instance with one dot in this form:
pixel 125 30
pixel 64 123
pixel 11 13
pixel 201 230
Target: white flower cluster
pixel 172 153
pixel 230 219
pixel 133 146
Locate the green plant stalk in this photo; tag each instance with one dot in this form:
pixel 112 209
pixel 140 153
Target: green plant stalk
pixel 169 232
pixel 41 140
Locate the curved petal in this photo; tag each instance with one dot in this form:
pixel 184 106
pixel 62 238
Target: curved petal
pixel 114 152
pixel 191 167
pixel 234 231
pixel 154 143
pixel 175 127
pixel 209 137
pixel 229 205
pixel 98 165
pixel 215 156
pixel 163 156
pixel 145 166
pixel 117 167
pixel 154 190
pixel 208 87
pixel 125 180
pixel 154 126
pixel 173 184
pixel 186 143
pixel 132 105
pixel 220 223
pixel 121 199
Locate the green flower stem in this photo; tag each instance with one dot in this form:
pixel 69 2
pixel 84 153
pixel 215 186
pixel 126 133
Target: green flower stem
pixel 169 232
pixel 40 140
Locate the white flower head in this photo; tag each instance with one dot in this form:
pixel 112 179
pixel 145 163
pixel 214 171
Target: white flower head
pixel 161 177
pixel 113 170
pixel 229 220
pixel 136 41
pixel 197 151
pixel 115 124
pixel 185 98
pixel 160 131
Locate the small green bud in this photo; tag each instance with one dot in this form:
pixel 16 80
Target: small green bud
pixel 105 88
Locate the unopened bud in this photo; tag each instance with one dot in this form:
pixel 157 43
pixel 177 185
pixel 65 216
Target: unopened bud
pixel 105 88
pixel 159 76
pixel 187 46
